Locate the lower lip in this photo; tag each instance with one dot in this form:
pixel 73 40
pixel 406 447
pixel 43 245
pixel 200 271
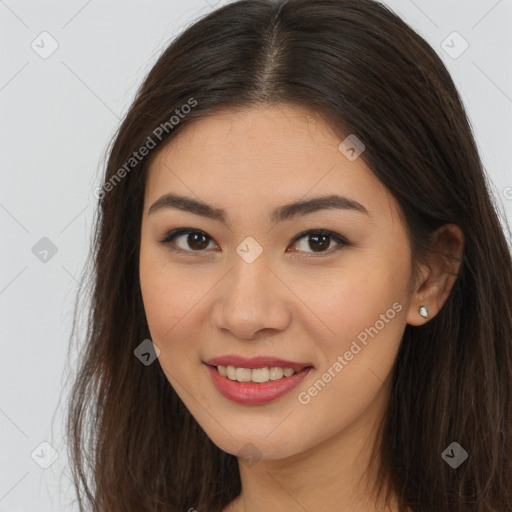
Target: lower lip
pixel 251 393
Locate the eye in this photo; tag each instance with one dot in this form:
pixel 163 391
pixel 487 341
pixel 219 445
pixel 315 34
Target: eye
pixel 319 241
pixel 194 241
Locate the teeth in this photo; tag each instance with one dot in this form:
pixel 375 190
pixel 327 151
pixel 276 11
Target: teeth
pixel 243 374
pixel 276 373
pixel 255 375
pixel 287 372
pixel 260 374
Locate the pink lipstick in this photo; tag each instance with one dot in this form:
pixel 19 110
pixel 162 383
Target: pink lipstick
pixel 272 377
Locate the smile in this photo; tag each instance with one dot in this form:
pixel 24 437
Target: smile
pixel 258 375
pixel 255 386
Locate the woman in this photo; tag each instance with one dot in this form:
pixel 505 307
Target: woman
pixel 296 302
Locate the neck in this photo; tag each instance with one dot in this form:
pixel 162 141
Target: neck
pixel 339 473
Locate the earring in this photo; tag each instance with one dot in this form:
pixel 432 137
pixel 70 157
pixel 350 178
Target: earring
pixel 424 311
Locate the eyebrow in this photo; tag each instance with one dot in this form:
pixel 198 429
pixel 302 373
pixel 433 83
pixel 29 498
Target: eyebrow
pixel 280 214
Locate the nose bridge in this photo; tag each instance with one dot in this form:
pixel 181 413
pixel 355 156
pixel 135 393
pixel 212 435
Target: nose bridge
pixel 250 279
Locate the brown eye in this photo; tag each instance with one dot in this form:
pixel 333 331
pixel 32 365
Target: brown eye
pixel 194 241
pixel 320 241
pixel 197 241
pixel 187 240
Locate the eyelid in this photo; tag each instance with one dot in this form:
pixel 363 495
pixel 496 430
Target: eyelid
pixel 340 240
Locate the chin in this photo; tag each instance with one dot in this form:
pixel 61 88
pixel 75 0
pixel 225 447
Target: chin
pixel 258 445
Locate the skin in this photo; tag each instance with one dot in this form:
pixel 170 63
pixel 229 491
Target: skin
pixel 284 304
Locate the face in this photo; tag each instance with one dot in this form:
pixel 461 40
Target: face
pixel 320 287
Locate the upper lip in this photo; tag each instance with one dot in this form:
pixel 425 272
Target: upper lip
pixel 255 362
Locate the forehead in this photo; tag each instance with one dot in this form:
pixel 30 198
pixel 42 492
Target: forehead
pixel 264 155
pixel 257 132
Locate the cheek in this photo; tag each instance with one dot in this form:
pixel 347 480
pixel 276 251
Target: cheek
pixel 359 360
pixel 360 304
pixel 166 290
pixel 175 305
pixel 367 316
pixel 165 296
pixel 166 316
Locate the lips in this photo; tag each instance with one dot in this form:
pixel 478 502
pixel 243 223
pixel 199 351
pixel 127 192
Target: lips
pixel 256 362
pixel 252 393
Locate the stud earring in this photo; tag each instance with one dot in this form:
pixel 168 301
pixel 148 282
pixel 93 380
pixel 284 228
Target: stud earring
pixel 424 311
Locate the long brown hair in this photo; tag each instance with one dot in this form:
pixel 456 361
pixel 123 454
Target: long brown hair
pixel 134 446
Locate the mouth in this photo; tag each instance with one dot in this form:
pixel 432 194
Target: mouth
pixel 254 382
pixel 258 375
pixel 256 363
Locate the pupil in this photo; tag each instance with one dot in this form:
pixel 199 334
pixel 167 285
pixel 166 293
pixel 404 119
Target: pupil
pixel 323 245
pixel 194 244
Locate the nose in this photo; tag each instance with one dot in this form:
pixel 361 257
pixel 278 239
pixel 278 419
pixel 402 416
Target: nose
pixel 251 301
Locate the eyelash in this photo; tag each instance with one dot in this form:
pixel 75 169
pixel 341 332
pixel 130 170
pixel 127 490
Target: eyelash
pixel 172 235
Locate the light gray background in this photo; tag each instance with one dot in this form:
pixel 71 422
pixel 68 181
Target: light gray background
pixel 57 116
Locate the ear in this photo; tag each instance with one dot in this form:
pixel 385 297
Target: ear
pixel 437 276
